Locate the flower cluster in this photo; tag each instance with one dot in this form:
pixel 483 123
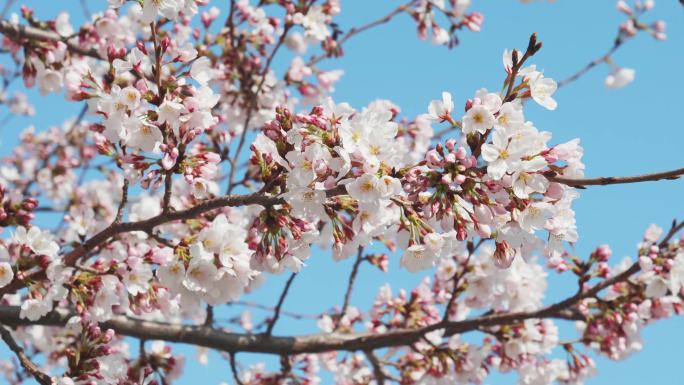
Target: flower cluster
pixel 427 14
pixel 195 171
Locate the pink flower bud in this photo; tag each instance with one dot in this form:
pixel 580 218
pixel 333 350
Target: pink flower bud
pixel 645 263
pixel 603 253
pixel 469 104
pixel 206 19
pixel 554 191
pixel 446 179
pixel 461 153
pixel 628 28
pixel 624 8
pixel 659 26
pixel 669 264
pixel 461 233
pixel 433 159
pixel 660 36
pixel 165 43
pixel 503 255
pixel 141 46
pixel 474 21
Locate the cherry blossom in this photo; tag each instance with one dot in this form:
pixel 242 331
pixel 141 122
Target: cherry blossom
pixel 203 165
pixel 620 78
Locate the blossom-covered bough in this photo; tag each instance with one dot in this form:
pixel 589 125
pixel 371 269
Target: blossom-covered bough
pixel 195 171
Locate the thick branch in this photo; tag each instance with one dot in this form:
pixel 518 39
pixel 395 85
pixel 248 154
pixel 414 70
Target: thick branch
pixel 17 32
pixel 315 343
pixel 263 343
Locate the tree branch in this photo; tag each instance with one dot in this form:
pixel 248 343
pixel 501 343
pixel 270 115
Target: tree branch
pixel 601 59
pixel 147 225
pixel 356 30
pixel 25 361
pixel 279 306
pixel 18 32
pixel 314 343
pixel 458 277
pixel 265 200
pixel 272 309
pixel 607 180
pixel 352 279
pixel 253 105
pixel 233 368
pixel 378 372
pixel 122 203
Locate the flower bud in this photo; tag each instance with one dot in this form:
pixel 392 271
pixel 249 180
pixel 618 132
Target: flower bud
pixel 503 255
pixel 624 8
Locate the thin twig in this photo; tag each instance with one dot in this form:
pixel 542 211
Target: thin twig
pixel 141 352
pixel 6 8
pixel 209 319
pixel 122 204
pixel 55 151
pixel 161 240
pixel 378 372
pixel 17 32
pixel 233 368
pixel 272 309
pixel 25 361
pixel 276 314
pixel 86 10
pixel 674 229
pixel 356 30
pixel 458 277
pixel 608 180
pixel 601 59
pixel 352 279
pixel 253 104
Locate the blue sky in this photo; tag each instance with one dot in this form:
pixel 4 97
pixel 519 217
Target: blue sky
pixel 630 131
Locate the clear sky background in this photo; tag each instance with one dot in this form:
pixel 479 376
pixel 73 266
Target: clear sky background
pixel 635 130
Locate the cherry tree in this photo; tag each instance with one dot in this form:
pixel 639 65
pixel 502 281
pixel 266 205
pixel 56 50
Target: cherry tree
pixel 196 171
